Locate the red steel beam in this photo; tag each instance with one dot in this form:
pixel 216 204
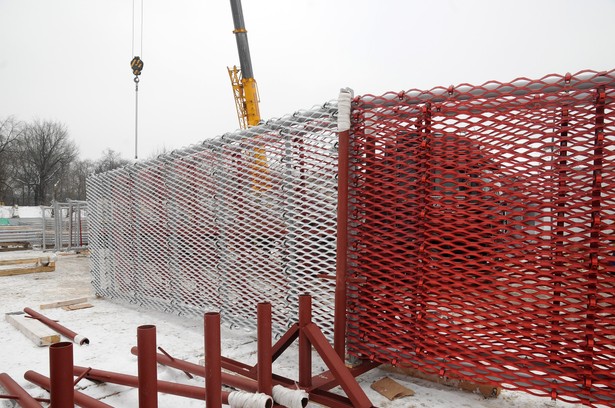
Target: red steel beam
pixel 22 397
pixel 235 381
pixel 280 346
pixel 76 338
pixel 182 390
pixel 347 381
pixel 62 388
pixel 305 348
pixel 326 398
pixel 285 341
pixel 341 259
pixel 147 368
pixel 328 380
pixel 264 350
pixel 213 360
pixel 81 399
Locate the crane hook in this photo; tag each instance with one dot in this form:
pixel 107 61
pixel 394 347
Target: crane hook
pixel 137 66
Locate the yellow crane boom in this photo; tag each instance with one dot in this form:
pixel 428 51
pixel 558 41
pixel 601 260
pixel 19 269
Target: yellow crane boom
pixel 245 90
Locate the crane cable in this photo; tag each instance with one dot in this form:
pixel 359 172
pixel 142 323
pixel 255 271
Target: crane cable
pixel 136 64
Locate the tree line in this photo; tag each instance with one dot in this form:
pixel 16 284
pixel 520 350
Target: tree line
pixel 39 163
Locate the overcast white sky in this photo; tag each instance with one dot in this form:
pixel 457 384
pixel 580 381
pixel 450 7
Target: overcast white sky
pixel 69 60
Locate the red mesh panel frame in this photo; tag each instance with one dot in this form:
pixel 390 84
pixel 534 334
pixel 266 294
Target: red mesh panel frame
pixel 482 239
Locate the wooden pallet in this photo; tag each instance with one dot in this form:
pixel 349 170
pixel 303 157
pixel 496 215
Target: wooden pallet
pixel 44 264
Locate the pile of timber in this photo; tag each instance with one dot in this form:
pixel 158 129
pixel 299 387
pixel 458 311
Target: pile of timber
pixel 21 266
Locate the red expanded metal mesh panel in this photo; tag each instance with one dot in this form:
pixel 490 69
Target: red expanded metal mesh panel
pixel 482 239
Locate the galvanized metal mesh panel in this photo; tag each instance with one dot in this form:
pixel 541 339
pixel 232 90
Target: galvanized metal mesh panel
pixel 482 232
pixel 242 218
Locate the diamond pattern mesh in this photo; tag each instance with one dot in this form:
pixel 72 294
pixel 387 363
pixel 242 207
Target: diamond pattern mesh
pixel 243 218
pixel 482 233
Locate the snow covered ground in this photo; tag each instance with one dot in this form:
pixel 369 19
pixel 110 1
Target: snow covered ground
pixel 111 329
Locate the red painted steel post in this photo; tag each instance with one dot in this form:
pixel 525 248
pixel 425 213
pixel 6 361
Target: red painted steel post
pixel 265 353
pixel 213 360
pixel 24 399
pixel 76 338
pixel 147 366
pixel 61 375
pixel 341 261
pixel 305 348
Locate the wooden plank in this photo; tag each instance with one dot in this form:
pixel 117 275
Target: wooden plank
pixel 486 390
pixel 22 261
pixel 78 307
pixel 40 334
pixel 63 303
pixel 23 271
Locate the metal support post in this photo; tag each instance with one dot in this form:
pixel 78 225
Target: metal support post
pixel 265 355
pixel 339 323
pixel 61 375
pixel 305 348
pixel 147 368
pixel 213 360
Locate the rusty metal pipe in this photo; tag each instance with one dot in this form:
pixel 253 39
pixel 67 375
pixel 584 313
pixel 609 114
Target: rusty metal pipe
pixel 81 400
pixel 62 389
pixel 182 390
pixel 21 396
pixel 264 350
pixel 305 348
pixel 76 338
pixel 147 368
pixel 213 360
pixel 232 380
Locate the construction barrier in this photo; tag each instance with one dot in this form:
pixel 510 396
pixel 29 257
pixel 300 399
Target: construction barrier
pixel 482 234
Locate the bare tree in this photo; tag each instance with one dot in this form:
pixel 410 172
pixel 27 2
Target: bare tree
pixel 110 160
pixel 10 130
pixel 45 153
pixel 158 151
pixel 72 183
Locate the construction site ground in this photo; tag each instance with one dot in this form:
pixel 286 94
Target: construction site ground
pixel 112 327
